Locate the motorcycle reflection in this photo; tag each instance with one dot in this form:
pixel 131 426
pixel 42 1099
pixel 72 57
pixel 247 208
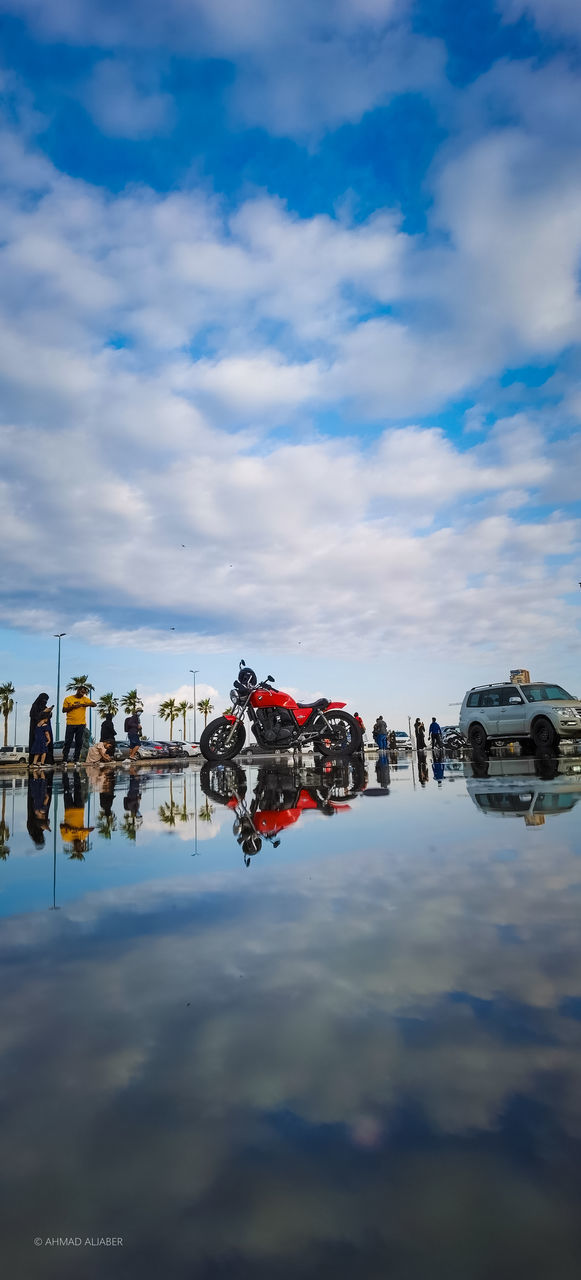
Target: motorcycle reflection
pixel 282 794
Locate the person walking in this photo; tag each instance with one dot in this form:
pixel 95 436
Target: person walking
pixel 40 710
pixel 132 728
pixel 108 734
pixel 380 733
pixel 420 732
pixel 75 709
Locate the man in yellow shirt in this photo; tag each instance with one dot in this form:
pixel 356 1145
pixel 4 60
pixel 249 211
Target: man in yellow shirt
pixel 75 709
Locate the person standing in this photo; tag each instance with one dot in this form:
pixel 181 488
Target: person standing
pixel 40 710
pixel 420 732
pixel 75 709
pixel 132 728
pixel 435 733
pixel 357 717
pixel 41 741
pixel 380 733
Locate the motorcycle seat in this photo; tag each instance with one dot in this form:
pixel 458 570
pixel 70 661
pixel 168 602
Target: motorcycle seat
pixel 319 705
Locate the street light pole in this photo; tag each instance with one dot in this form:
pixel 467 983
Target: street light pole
pixel 194 674
pixel 15 721
pixel 58 637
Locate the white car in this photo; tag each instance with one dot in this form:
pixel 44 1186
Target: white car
pixel 403 740
pixel 190 748
pixel 13 755
pixel 542 711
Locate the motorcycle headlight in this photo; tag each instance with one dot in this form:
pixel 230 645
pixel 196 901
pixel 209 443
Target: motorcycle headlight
pixel 233 695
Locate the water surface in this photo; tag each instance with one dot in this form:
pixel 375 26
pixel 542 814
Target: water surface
pixel 355 1051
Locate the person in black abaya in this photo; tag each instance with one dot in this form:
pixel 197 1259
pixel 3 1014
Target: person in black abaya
pixel 40 710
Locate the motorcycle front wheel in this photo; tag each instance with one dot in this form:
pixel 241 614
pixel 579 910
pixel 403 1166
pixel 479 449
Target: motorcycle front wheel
pixel 222 782
pixel 342 737
pixel 216 743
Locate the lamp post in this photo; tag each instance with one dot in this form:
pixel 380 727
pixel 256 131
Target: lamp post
pixel 15 720
pixel 194 674
pixel 58 637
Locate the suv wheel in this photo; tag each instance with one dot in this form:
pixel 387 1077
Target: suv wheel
pixel 544 735
pixel 477 737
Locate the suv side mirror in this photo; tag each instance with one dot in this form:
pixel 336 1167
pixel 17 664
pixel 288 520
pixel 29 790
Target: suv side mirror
pixel 513 701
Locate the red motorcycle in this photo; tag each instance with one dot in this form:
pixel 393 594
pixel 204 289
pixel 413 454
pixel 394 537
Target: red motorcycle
pixel 278 722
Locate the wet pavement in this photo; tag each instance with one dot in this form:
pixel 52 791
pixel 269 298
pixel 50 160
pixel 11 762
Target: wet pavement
pixel 263 1024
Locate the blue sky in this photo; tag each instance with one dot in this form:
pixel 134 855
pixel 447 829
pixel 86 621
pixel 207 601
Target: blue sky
pixel 290 344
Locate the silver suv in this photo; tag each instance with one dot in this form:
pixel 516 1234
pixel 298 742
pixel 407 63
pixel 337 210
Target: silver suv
pixel 544 712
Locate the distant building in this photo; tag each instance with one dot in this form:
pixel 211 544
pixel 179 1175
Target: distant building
pixel 520 676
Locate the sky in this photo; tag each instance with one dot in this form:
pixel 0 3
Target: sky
pixel 290 340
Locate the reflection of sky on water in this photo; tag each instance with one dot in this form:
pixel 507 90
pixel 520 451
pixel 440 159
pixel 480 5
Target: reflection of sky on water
pixel 358 1056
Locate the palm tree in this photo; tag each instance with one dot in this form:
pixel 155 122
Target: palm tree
pixel 183 811
pixel 168 812
pixel 169 710
pixel 228 711
pixel 205 813
pixel 108 705
pixel 6 705
pixel 182 709
pixel 131 703
pixel 106 824
pixel 206 708
pixel 79 682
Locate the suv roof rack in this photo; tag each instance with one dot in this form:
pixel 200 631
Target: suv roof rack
pixel 493 684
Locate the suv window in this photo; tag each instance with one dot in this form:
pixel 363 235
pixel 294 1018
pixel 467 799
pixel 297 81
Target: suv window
pixel 490 698
pixel 545 693
pixel 472 700
pixel 509 694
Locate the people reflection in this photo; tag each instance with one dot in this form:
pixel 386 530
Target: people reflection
pixel 74 828
pixel 423 774
pixel 133 818
pixel 382 772
pixel 38 804
pixel 438 771
pixel 106 820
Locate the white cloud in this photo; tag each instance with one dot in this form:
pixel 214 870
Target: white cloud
pixel 158 339
pixel 557 16
pixel 298 69
pixel 124 109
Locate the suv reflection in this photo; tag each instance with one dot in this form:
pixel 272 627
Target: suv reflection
pixel 530 789
pixel 282 794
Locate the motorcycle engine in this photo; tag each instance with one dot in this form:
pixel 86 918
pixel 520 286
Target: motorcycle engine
pixel 277 725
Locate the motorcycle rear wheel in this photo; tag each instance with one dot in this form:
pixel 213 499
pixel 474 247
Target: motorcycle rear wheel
pixel 214 743
pixel 345 736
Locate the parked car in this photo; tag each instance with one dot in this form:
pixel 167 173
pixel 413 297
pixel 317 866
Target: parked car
pixel 13 755
pixel 403 740
pixel 172 748
pixel 542 711
pixel 190 748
